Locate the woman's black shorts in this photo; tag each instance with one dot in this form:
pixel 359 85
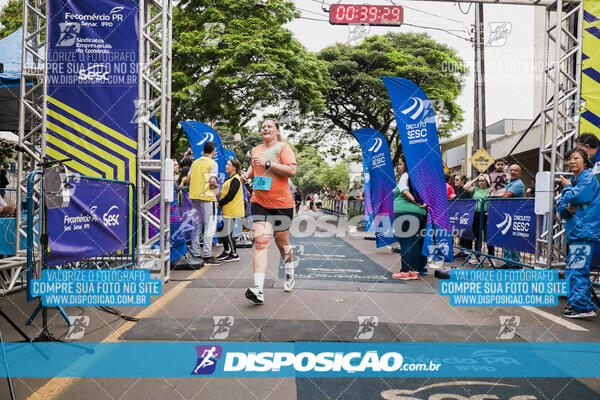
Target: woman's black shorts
pixel 279 218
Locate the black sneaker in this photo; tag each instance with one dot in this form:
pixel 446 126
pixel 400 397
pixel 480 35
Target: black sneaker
pixel 212 261
pixel 231 258
pixel 572 313
pixel 223 256
pixel 255 294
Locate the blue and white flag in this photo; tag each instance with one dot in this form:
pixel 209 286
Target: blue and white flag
pixel 379 180
pixel 415 118
pixel 199 133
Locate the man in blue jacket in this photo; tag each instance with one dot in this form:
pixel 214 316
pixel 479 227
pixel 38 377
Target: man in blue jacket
pixel 579 205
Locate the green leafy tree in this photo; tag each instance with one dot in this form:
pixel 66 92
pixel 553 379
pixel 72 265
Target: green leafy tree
pixel 11 16
pixel 310 166
pixel 358 97
pixel 232 59
pixel 337 176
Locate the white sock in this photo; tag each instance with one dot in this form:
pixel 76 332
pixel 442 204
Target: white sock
pixel 259 280
pixel 289 268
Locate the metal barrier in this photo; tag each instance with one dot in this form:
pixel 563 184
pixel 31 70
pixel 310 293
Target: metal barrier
pixel 480 252
pixel 117 260
pixel 337 207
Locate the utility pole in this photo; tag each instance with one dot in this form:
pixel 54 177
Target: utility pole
pixel 479 139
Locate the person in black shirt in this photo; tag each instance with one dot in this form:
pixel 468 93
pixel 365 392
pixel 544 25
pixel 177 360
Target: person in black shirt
pixel 297 200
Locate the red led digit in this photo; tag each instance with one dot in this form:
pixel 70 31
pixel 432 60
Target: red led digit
pixel 339 13
pixel 363 14
pixel 350 16
pixel 372 14
pixel 395 13
pixel 385 14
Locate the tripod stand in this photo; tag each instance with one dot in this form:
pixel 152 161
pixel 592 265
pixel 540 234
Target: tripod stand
pixel 45 335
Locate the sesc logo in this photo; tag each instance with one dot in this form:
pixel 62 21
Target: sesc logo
pixel 505 225
pixel 207 359
pixel 96 72
pixel 111 219
pixel 417 104
pixel 208 138
pixel 376 145
pixel 464 219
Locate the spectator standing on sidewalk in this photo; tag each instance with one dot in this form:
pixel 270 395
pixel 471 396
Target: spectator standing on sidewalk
pixel 514 188
pixel 409 211
pixel 204 188
pixel 3 182
pixel 459 189
pixel 232 207
pixel 481 191
pixel 579 205
pixel 272 205
pixel 590 143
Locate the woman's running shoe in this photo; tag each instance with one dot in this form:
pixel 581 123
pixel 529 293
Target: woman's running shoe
pixel 231 258
pixel 413 275
pixel 255 294
pixel 405 276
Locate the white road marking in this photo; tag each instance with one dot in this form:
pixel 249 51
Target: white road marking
pixel 557 320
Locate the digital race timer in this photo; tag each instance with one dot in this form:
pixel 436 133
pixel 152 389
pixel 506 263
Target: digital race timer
pixel 342 14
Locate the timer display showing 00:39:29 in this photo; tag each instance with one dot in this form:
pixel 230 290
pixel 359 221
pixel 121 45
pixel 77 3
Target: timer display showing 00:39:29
pixel 342 14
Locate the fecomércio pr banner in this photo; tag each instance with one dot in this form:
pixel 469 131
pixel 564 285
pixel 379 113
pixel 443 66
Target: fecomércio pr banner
pixel 93 224
pixel 92 86
pixel 415 119
pixel 379 176
pixel 461 218
pixel 511 224
pixel 198 134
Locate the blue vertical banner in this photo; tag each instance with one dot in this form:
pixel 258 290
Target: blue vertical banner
pixel 199 133
pixel 379 176
pixel 92 86
pixel 415 119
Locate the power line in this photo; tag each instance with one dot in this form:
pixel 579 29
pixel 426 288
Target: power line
pixel 468 9
pixel 314 19
pixel 308 11
pixel 448 31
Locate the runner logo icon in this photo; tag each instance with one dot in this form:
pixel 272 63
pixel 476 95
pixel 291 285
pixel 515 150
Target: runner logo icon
pixel 207 359
pixel 223 324
pixel 68 33
pixel 366 326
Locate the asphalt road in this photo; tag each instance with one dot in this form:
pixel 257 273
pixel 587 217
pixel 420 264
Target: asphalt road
pixel 342 282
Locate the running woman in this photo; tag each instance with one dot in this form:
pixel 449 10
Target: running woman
pixel 272 205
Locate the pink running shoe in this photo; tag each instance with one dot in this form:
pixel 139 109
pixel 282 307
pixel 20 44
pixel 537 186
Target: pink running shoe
pixel 405 276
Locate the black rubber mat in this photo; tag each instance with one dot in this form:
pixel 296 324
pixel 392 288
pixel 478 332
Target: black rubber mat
pixel 365 329
pixel 226 283
pixel 443 388
pixel 397 286
pixel 411 287
pixel 169 329
pixel 323 331
pixel 333 259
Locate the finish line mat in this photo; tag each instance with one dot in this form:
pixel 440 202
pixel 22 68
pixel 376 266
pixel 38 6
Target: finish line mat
pixel 443 388
pixel 331 258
